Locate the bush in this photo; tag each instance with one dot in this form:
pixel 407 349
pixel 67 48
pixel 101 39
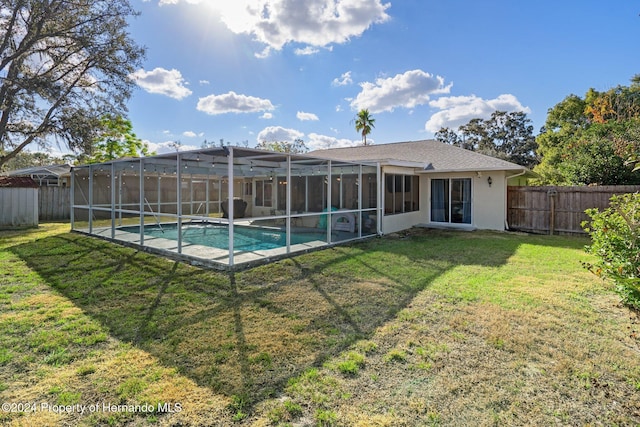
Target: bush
pixel 615 235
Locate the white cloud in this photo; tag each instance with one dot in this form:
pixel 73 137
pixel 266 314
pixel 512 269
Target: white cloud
pixel 302 116
pixel 458 110
pixel 204 82
pixel 345 79
pixel 320 142
pixel 306 51
pixel 192 134
pixel 164 82
pixel 313 141
pixel 231 102
pixel 264 54
pixel 316 23
pixel 164 2
pixel 406 90
pixel 267 116
pixel 279 134
pixel 168 147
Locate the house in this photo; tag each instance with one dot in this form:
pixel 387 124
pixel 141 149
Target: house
pixel 46 176
pixel 227 206
pixel 18 202
pixel 435 184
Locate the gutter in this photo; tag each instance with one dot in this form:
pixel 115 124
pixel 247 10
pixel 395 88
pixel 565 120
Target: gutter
pixel 524 171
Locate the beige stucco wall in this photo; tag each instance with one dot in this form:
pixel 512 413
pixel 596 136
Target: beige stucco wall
pixel 399 222
pixel 488 203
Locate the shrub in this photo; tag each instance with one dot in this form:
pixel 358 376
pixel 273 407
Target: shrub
pixel 615 235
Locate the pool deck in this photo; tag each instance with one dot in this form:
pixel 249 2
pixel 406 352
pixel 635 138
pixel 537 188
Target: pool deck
pixel 204 255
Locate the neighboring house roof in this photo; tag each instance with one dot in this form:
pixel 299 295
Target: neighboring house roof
pixel 428 155
pixel 17 182
pixel 54 171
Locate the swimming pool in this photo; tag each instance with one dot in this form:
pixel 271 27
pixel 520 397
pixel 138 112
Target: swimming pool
pixel 217 236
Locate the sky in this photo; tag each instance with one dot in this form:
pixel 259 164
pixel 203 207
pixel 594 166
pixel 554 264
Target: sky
pixel 247 71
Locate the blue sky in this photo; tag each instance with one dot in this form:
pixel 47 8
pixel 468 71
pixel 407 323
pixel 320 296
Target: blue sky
pixel 253 70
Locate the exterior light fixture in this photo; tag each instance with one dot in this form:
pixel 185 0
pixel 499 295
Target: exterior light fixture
pixel 490 181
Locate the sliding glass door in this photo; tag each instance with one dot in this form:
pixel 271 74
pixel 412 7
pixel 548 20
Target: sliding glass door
pixel 451 200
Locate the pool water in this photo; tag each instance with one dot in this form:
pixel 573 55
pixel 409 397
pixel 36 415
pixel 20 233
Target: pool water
pixel 217 236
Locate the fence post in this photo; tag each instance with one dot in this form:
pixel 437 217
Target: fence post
pixel 552 210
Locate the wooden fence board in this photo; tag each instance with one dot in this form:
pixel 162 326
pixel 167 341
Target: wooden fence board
pixel 531 209
pixel 54 203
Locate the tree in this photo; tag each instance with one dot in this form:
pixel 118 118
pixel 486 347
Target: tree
pixel 296 147
pixel 63 65
pixel 508 136
pixel 512 134
pixel 176 145
pixel 27 159
pixel 592 157
pixel 448 136
pixel 207 144
pixel 592 140
pixel 565 120
pixel 117 140
pixel 476 137
pixel 364 124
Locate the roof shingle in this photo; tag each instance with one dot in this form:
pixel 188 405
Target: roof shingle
pixel 17 182
pixel 435 156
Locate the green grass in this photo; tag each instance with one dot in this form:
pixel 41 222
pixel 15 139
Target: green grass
pixel 419 328
pixel 352 363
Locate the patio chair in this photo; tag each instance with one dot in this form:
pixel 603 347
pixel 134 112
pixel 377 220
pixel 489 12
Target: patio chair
pixel 239 208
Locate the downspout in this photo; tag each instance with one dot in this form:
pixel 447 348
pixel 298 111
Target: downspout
pixel 506 201
pixel 380 191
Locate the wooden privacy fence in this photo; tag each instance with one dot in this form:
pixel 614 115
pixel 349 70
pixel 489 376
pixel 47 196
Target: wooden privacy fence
pixel 557 210
pixel 54 203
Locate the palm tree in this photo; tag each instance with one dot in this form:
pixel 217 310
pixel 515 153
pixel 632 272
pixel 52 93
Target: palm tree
pixel 364 123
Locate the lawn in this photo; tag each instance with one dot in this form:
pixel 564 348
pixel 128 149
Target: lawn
pixel 421 328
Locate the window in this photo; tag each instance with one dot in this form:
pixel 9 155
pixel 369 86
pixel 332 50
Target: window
pixel 451 200
pixel 402 194
pixel 264 190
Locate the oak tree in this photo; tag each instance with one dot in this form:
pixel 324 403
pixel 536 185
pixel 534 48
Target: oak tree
pixel 64 64
pixel 508 136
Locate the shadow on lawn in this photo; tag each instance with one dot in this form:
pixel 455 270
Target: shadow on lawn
pixel 247 333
